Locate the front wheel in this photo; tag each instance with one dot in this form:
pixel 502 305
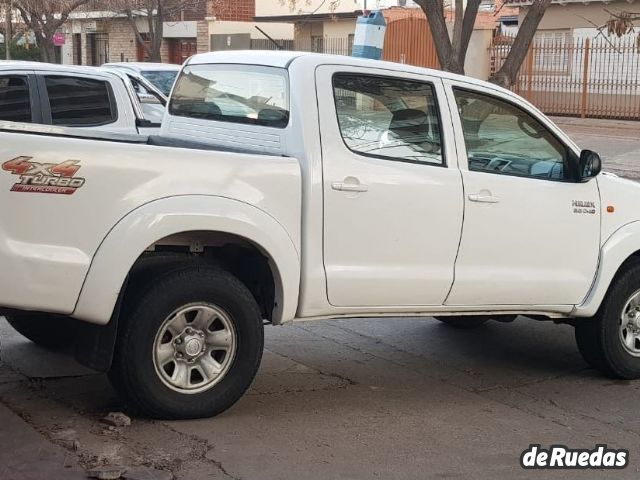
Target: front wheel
pixel 188 346
pixel 610 341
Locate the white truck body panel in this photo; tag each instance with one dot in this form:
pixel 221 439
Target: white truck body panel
pixel 51 251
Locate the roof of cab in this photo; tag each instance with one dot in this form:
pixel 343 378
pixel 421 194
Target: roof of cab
pixel 283 58
pixel 39 66
pixel 144 66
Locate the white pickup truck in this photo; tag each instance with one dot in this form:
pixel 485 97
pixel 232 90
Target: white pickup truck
pixel 291 186
pixel 89 98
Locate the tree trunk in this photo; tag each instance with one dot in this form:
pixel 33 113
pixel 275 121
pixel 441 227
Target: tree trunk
pixel 434 10
pixel 158 32
pixel 508 73
pixel 8 34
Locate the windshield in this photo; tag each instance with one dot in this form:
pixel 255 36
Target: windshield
pixel 233 93
pixel 163 79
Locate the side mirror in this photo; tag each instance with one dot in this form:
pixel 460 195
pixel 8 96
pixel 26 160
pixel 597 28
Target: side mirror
pixel 590 165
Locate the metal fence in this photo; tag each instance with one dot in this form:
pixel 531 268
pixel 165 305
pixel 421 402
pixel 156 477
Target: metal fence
pixel 586 77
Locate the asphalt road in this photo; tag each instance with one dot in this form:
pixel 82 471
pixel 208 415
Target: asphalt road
pixel 617 142
pixel 357 399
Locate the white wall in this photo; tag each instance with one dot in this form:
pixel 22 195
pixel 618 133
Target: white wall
pixel 477 62
pixel 274 7
pixel 274 30
pixel 339 28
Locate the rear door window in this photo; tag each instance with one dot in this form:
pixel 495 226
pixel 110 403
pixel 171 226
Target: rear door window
pixel 80 102
pixel 15 98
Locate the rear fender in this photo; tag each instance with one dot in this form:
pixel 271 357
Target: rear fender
pixel 153 221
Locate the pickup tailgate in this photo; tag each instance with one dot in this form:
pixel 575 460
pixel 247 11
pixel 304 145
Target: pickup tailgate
pixel 60 196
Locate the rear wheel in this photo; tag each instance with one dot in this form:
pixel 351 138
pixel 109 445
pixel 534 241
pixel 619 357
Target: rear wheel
pixel 610 341
pixel 45 330
pixel 464 322
pixel 189 345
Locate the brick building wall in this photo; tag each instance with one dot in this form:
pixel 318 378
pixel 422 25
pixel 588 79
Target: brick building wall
pixel 232 10
pixel 122 41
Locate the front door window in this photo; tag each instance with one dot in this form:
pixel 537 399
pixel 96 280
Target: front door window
pixel 504 139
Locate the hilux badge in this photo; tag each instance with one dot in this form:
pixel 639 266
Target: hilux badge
pixel 583 207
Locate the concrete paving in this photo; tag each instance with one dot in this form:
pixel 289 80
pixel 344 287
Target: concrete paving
pixel 370 398
pixel 357 399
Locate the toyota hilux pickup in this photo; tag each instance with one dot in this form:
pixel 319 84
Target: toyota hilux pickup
pixel 288 186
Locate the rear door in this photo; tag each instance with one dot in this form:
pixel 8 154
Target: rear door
pixel 392 189
pixel 19 97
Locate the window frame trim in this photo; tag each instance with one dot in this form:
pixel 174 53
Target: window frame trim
pixel 45 101
pixel 571 160
pixel 431 84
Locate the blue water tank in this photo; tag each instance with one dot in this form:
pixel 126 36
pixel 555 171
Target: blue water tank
pixel 368 41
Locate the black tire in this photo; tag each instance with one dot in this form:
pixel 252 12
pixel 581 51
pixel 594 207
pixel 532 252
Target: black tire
pixel 598 338
pixel 54 332
pixel 464 322
pixel 133 373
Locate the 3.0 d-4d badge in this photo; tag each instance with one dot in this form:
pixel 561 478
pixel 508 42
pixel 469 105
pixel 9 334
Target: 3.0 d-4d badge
pixel 44 177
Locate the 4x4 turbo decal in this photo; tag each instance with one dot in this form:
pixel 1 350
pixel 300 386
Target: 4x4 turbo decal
pixel 44 177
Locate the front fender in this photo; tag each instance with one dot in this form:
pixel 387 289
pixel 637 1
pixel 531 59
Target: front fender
pixel 623 243
pixel 151 222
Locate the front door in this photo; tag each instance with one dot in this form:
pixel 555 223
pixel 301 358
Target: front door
pixel 531 233
pixel 392 204
pixel 180 49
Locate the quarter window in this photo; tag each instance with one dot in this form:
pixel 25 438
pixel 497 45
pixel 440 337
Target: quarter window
pixel 503 139
pixel 15 101
pixel 80 102
pixel 388 118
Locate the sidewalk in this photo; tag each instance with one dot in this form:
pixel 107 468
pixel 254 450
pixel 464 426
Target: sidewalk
pixel 599 125
pixel 27 455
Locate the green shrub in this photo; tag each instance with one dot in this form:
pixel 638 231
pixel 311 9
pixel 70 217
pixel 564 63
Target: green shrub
pixel 20 52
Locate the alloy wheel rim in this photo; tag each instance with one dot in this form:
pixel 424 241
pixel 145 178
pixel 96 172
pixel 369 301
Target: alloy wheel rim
pixel 630 325
pixel 194 348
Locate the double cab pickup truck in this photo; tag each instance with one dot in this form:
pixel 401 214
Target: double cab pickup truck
pixel 288 186
pixel 88 98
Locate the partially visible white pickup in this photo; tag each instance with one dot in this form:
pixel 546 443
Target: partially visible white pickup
pixel 88 98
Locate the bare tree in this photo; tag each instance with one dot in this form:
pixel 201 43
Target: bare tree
pixel 154 13
pixel 8 30
pixel 621 23
pixel 452 50
pixel 44 18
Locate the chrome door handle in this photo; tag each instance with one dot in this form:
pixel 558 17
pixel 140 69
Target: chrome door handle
pixel 349 187
pixel 483 198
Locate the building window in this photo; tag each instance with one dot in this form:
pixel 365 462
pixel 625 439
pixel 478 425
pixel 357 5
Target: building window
pixel 551 52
